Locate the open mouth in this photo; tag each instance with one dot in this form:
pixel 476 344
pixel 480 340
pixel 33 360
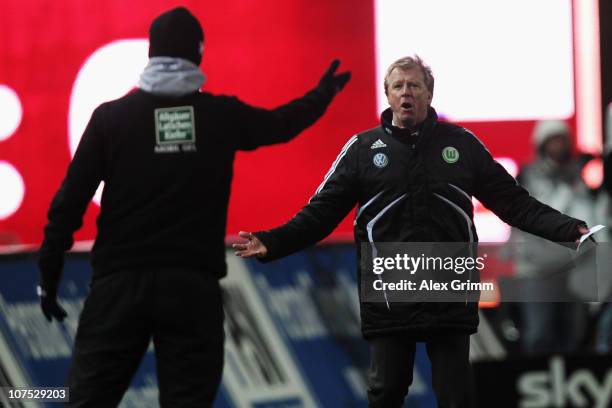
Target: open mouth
pixel 406 105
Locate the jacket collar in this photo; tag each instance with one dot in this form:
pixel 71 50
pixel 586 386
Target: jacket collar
pixel 386 122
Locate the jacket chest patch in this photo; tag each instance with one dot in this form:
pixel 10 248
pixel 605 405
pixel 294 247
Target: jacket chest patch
pixel 380 160
pixel 450 154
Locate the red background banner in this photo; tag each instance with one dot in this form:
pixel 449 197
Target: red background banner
pixel 265 52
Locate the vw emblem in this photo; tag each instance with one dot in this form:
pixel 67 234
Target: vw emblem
pixel 380 160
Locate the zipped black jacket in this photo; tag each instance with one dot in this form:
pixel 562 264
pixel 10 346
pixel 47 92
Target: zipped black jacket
pixel 167 167
pixel 415 186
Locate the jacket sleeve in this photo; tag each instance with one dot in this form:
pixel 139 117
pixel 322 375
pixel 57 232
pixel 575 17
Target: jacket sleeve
pixel 65 214
pixel 332 201
pixel 502 194
pixel 260 127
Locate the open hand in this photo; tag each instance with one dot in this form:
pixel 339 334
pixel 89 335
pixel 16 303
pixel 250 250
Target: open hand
pixel 253 246
pixel 332 81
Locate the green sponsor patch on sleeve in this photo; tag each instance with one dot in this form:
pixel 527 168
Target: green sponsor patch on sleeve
pixel 174 125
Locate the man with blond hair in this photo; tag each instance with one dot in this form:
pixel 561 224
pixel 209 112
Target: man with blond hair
pixel 413 179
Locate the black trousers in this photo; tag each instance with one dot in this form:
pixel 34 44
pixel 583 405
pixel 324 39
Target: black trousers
pixel 392 360
pixel 180 310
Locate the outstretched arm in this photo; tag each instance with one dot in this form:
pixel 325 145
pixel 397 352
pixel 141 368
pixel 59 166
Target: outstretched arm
pixel 332 201
pixel 502 194
pixel 259 127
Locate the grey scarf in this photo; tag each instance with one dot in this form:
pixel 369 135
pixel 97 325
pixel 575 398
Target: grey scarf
pixel 168 76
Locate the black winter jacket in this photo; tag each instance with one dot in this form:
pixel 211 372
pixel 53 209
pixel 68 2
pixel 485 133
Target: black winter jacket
pixel 167 167
pixel 415 186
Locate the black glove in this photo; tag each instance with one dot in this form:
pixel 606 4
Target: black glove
pixel 49 305
pixel 332 82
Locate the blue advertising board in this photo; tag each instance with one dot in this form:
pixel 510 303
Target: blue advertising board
pixel 292 333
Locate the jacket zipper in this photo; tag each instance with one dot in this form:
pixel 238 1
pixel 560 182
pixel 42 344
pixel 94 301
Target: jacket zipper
pixel 469 227
pixel 370 231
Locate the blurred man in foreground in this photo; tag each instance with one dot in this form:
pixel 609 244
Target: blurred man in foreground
pixel 165 152
pixel 413 179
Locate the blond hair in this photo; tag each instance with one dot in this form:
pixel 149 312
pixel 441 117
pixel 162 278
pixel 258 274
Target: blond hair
pixel 406 63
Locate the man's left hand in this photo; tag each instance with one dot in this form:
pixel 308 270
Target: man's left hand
pixel 583 229
pixel 333 81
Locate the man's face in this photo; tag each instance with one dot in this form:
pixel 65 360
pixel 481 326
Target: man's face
pixel 408 96
pixel 557 148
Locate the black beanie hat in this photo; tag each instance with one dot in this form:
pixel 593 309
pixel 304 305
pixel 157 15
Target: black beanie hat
pixel 176 33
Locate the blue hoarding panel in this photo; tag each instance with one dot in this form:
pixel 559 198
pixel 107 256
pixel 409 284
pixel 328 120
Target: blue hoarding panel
pixel 292 329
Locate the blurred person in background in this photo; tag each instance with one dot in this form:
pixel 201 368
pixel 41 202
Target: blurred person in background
pixel 165 152
pixel 554 178
pixel 413 178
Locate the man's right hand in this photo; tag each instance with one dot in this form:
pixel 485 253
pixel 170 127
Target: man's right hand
pixel 48 303
pixel 253 246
